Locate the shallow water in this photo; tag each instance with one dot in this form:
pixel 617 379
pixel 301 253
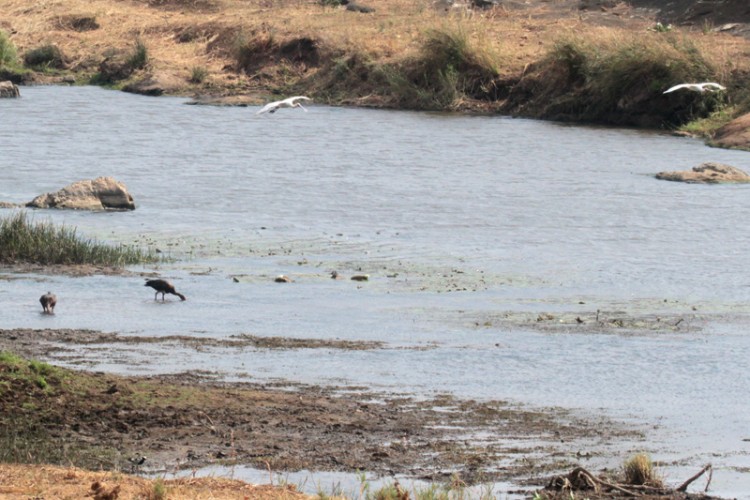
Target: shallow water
pixel 527 216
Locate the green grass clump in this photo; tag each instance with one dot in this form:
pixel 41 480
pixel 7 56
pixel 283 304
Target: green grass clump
pixel 198 74
pixel 159 491
pixel 16 370
pixel 24 241
pixel 139 57
pixel 29 392
pixel 448 58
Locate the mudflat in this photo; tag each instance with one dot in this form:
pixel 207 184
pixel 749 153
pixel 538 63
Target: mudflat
pixel 190 420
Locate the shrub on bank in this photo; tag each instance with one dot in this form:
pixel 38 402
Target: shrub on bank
pixel 119 65
pixel 10 68
pixel 24 241
pixel 46 56
pixel 8 53
pixel 297 54
pixel 446 70
pixel 619 81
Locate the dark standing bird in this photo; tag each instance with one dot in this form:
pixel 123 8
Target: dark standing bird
pixel 136 462
pixel 163 287
pixel 48 301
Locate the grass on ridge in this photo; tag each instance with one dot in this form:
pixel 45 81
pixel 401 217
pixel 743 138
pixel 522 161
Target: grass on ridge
pixel 25 241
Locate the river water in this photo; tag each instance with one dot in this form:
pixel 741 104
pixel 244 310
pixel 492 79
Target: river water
pixel 461 222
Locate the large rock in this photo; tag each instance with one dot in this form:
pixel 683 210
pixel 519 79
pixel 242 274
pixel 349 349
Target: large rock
pixel 104 193
pixel 9 89
pixel 707 173
pixel 155 84
pixel 735 134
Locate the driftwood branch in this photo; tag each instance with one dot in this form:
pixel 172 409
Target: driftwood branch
pixel 683 487
pixel 580 479
pixel 590 476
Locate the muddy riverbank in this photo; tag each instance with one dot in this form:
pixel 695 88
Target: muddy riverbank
pixel 190 420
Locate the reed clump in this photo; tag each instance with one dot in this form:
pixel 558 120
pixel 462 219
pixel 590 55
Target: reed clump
pixel 198 74
pixel 26 241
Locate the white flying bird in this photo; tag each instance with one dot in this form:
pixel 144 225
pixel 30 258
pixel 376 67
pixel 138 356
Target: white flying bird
pixel 291 102
pixel 697 87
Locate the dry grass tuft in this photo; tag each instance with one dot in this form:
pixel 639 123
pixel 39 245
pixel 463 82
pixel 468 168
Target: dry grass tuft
pixel 44 481
pixel 639 470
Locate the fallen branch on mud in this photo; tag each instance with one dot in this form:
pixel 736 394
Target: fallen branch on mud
pixel 683 486
pixel 579 479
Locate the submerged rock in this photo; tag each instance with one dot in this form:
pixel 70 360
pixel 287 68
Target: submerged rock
pixel 735 134
pixel 103 193
pixel 9 89
pixel 707 173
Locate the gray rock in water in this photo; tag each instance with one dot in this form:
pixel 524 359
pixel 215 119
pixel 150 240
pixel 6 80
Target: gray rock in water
pixel 103 193
pixel 9 89
pixel 707 173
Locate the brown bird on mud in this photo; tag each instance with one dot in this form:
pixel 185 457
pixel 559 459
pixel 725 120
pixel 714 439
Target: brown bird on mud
pixel 48 301
pixel 163 287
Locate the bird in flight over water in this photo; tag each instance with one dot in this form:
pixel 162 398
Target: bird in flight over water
pixel 291 102
pixel 697 87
